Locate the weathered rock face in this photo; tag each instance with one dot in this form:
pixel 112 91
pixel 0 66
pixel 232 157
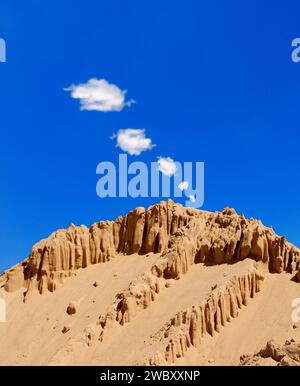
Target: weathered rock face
pixel 184 236
pixel 287 354
pixel 188 327
pixel 218 238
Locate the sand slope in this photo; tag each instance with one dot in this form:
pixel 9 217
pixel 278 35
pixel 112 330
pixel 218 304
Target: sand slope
pixel 170 285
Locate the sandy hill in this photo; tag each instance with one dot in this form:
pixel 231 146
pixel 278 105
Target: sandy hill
pixel 166 285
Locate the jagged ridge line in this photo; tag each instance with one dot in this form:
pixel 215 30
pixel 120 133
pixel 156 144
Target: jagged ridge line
pixel 187 328
pixel 55 258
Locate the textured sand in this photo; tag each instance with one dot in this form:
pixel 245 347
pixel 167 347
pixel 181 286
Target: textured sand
pixel 33 332
pixel 169 285
pixel 267 317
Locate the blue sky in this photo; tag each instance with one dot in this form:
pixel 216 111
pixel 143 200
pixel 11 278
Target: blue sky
pixel 213 81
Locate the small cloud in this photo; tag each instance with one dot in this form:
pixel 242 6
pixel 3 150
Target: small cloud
pixel 192 198
pixel 133 141
pixel 99 95
pixel 167 166
pixel 183 185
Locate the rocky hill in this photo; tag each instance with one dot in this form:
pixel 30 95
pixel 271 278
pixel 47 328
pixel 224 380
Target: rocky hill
pixel 171 283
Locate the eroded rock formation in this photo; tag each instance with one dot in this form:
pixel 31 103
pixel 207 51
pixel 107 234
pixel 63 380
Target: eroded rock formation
pixel 287 354
pixel 183 236
pixel 167 240
pixel 189 327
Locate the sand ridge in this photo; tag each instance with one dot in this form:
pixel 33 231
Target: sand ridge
pixel 166 285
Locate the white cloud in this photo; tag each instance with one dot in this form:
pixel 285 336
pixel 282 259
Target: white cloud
pixel 183 185
pixel 192 198
pixel 99 95
pixel 167 166
pixel 133 141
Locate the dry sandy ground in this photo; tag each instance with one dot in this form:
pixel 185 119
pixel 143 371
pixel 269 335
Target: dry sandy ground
pixel 33 331
pixel 267 317
pixel 32 334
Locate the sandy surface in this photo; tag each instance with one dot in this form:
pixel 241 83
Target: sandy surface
pixel 33 331
pixel 267 317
